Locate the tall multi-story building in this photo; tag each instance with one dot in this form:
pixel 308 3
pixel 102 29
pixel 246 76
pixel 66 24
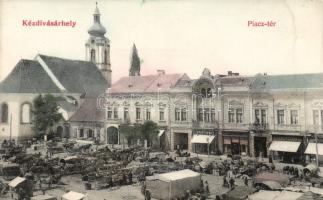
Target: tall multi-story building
pixel 229 113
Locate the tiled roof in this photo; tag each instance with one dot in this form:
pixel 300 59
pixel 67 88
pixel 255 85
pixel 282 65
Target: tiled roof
pixel 151 83
pixel 28 76
pixel 235 81
pixel 75 75
pixel 88 112
pixel 291 81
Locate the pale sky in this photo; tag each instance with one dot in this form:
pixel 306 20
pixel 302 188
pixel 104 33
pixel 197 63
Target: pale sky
pixel 180 36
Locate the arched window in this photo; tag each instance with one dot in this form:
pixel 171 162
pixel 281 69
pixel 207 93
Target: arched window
pixel 25 113
pixel 105 56
pixel 4 113
pixel 93 55
pixel 203 92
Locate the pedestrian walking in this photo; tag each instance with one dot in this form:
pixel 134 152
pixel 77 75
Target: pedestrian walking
pixel 225 183
pixel 207 189
pixel 246 181
pixel 147 195
pixel 231 183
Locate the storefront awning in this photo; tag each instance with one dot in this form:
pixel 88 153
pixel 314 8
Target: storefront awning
pixel 202 139
pixel 311 149
pixel 161 132
pixel 284 146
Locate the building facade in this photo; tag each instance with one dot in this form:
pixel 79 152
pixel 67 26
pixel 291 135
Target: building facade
pixel 230 114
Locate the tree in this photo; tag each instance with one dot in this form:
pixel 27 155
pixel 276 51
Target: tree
pixel 134 62
pixel 149 132
pixel 45 114
pixel 131 133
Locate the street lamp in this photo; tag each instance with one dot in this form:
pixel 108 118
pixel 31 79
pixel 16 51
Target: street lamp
pixel 316 145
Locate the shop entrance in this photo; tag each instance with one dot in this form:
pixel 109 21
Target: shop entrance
pixel 235 148
pixel 181 141
pixel 260 146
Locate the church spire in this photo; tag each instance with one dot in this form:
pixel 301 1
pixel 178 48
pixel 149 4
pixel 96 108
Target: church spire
pixel 98 47
pixel 96 29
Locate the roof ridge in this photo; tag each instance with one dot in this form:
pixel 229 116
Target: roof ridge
pixel 66 59
pixel 295 74
pixel 150 84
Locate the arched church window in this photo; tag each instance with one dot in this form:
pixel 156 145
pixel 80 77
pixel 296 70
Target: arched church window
pixel 105 56
pixel 25 113
pixel 4 113
pixel 93 55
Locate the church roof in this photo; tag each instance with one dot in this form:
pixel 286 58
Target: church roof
pixel 75 75
pixel 28 76
pixel 147 84
pixel 88 112
pixel 49 74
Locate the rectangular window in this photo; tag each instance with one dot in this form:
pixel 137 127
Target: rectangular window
pixel 200 115
pixel 280 117
pixel 263 116
pixel 257 116
pixel 138 113
pixel 231 115
pixel 212 115
pixel 207 115
pixel 81 132
pixel 126 114
pixel 161 114
pixel 177 114
pixel 115 113
pixel 148 114
pixel 239 115
pixel 109 113
pixel 293 117
pixel 315 117
pixel 183 114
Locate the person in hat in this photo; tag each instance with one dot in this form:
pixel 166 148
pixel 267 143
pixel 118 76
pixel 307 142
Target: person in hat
pixel 147 195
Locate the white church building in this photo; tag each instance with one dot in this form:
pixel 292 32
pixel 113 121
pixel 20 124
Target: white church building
pixel 72 80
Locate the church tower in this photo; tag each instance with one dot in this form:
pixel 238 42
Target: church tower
pixel 97 47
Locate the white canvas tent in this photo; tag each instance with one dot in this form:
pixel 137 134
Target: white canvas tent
pixel 43 197
pixel 173 184
pixel 16 181
pixel 275 195
pixel 73 196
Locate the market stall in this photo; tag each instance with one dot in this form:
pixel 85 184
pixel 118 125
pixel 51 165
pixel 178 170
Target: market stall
pixel 173 184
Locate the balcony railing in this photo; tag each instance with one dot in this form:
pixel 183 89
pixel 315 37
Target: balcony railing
pixel 181 123
pixel 259 126
pixel 201 124
pixel 114 120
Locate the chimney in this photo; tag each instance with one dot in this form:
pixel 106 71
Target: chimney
pixel 160 72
